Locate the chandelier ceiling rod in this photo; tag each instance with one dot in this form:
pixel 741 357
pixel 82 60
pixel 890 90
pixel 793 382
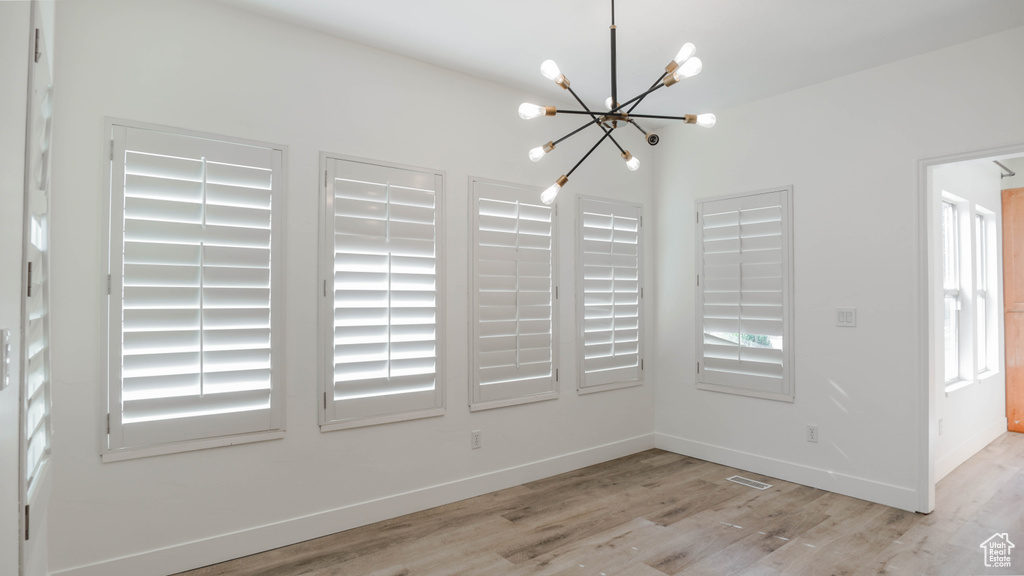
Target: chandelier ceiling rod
pixel 615 87
pixel 684 65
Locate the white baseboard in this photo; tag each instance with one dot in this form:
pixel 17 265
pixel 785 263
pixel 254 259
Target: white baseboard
pixel 863 488
pixel 946 464
pixel 197 553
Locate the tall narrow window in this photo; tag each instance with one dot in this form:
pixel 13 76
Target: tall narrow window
pixel 744 295
pixel 194 277
pixel 608 281
pixel 513 296
pixel 981 291
pixel 951 291
pixel 380 316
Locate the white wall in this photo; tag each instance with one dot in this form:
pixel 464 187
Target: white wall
pixel 850 147
pixel 14 45
pixel 973 412
pixel 203 66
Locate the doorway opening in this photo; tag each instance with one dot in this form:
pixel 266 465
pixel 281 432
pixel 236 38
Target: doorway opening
pixel 967 358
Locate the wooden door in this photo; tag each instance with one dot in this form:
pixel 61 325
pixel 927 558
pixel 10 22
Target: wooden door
pixel 1013 301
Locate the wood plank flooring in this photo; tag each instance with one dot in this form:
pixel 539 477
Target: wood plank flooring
pixel 660 514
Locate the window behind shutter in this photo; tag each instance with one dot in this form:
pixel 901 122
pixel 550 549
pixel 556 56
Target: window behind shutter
pixel 743 297
pixel 513 263
pixel 383 291
pixel 191 289
pixel 608 277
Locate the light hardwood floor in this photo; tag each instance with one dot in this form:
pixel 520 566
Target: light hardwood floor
pixel 656 513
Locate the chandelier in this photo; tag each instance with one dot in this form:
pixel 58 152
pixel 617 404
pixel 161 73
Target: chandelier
pixel 684 65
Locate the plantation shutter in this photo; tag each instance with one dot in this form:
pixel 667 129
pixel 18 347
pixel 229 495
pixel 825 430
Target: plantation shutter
pixel 743 295
pixel 609 280
pixel 191 287
pixel 382 346
pixel 37 299
pixel 513 295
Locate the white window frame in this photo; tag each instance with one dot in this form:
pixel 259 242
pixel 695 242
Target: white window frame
pixel 950 211
pixel 497 395
pixel 371 409
pixel 211 430
pixel 592 241
pixel 987 293
pixel 753 385
pixel 981 292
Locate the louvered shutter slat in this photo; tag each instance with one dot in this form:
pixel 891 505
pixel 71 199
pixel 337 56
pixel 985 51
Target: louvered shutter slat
pixel 513 302
pixel 742 300
pixel 385 301
pixel 195 286
pixel 609 248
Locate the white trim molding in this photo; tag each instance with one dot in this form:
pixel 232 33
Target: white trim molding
pixel 203 552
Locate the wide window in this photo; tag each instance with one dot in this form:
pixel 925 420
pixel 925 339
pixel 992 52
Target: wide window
pixel 194 288
pixel 381 308
pixel 514 296
pixel 744 279
pixel 609 295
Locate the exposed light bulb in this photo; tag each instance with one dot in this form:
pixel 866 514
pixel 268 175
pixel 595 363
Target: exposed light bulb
pixel 548 196
pixel 529 111
pixel 539 152
pixel 608 103
pixel 685 53
pixel 632 162
pixel 690 68
pixel 706 120
pixel 550 70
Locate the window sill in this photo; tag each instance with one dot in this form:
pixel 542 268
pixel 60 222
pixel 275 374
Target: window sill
pixel 611 386
pixel 478 406
pixel 987 374
pixel 957 385
pixel 189 446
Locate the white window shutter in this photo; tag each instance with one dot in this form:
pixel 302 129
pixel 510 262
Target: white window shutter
pixel 382 293
pixel 743 258
pixel 513 296
pixel 192 287
pixel 609 295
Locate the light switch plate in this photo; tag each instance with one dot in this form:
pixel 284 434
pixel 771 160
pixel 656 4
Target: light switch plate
pixel 846 317
pixel 5 358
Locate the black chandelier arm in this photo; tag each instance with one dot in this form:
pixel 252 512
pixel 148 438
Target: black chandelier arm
pixel 683 118
pixel 637 98
pixel 651 89
pixel 597 119
pixel 584 112
pixel 631 121
pixel 576 131
pixel 606 135
pixel 615 116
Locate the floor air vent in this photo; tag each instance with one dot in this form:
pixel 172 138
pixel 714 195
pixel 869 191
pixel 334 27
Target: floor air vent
pixel 749 482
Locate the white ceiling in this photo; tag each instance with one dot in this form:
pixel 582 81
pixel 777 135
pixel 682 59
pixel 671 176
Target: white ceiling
pixel 750 48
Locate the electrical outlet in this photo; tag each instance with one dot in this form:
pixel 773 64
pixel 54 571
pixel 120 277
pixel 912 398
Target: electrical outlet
pixel 474 439
pixel 812 433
